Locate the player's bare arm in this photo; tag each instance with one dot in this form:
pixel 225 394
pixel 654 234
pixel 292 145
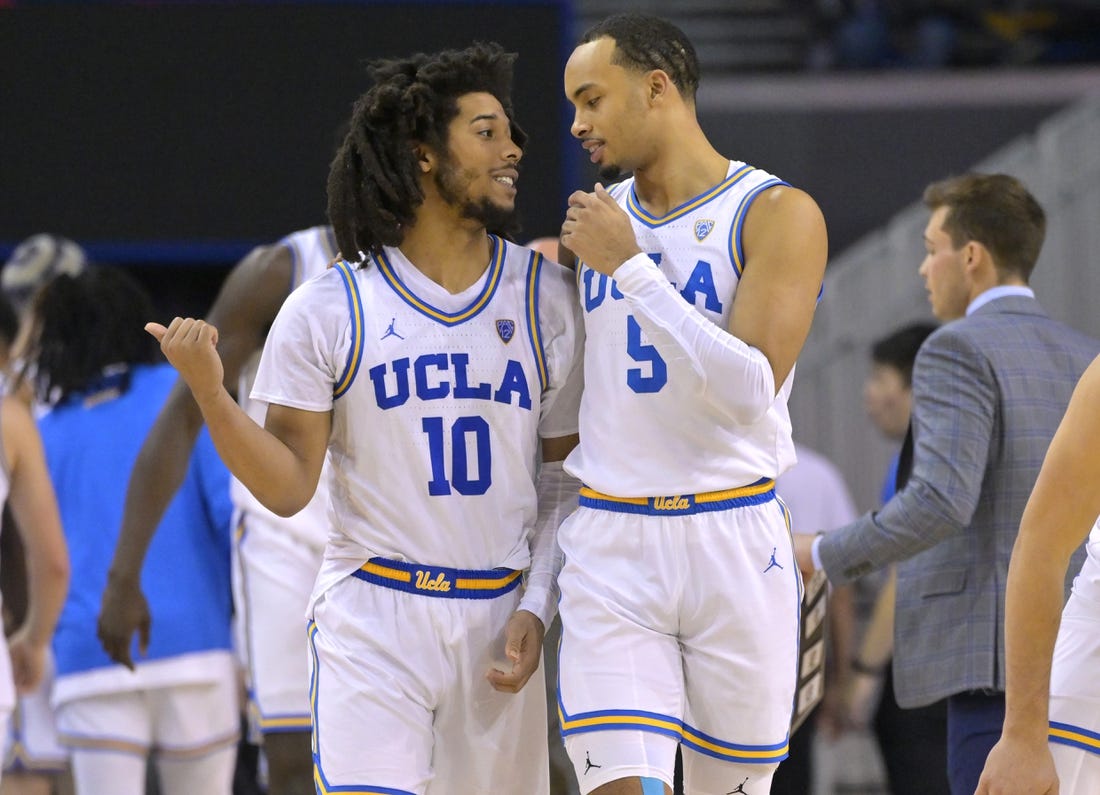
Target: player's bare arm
pixel 785 247
pixel 243 311
pixel 279 463
pixel 1059 515
pixel 34 508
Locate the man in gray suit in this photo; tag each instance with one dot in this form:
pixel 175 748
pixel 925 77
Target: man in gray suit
pixel 989 389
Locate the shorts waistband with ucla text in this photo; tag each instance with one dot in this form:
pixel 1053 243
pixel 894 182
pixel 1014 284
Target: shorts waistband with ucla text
pixel 756 493
pixel 439 581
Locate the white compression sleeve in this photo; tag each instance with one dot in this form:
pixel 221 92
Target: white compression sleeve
pixel 557 494
pixel 737 378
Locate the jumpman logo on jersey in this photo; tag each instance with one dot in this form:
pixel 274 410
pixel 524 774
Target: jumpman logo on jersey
pixel 774 564
pixel 740 788
pixel 588 764
pixel 391 331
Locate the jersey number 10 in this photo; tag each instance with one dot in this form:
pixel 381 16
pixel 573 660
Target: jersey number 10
pixel 460 480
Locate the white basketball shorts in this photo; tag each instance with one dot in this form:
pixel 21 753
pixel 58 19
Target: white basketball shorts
pixel 679 625
pixel 1075 698
pixel 273 576
pixel 399 690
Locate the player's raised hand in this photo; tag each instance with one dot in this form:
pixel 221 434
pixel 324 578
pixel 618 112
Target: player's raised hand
pixel 523 648
pixel 191 347
pixel 598 231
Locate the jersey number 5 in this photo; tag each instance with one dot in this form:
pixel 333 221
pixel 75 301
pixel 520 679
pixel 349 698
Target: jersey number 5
pixel 461 432
pixel 636 378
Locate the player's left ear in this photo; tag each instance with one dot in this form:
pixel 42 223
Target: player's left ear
pixel 425 158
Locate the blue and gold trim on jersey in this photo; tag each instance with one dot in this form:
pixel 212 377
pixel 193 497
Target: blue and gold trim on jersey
pixel 534 267
pixel 736 250
pixel 319 780
pixel 439 581
pixel 790 535
pixel 496 268
pixel 278 724
pixel 733 752
pixel 643 216
pixel 757 493
pixel 617 719
pixel 355 309
pixel 1074 736
pixel 655 722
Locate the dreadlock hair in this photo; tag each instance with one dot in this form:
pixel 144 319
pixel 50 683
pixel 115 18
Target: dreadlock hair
pixel 81 325
pixel 644 43
pixel 374 179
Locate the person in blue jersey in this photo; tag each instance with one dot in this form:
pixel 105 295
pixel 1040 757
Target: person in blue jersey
pixel 276 558
pixel 1051 737
pixel 698 277
pixel 90 360
pixel 429 366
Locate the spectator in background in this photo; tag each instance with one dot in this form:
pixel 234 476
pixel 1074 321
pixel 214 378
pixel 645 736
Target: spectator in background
pixel 989 389
pixel 817 496
pixel 89 357
pixel 912 742
pixel 34 759
pixel 34 262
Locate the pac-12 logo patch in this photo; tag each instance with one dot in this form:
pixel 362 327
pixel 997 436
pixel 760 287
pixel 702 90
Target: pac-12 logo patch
pixel 702 228
pixel 506 329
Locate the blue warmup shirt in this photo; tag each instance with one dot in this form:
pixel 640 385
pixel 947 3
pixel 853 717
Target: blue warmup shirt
pixel 90 451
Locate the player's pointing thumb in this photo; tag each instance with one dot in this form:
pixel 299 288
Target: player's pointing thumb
pixel 157 330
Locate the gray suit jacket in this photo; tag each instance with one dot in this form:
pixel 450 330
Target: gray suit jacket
pixel 988 393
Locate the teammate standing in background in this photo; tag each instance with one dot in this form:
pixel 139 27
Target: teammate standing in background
pixel 91 363
pixel 698 277
pixel 276 559
pixel 429 365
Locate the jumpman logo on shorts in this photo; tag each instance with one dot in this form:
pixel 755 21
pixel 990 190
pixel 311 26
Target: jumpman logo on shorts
pixel 588 764
pixel 775 564
pixel 391 331
pixel 741 786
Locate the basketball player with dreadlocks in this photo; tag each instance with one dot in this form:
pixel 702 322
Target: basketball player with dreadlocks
pixel 428 365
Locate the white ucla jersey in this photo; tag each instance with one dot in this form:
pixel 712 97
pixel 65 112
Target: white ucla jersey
pixel 438 401
pixel 311 250
pixel 646 429
pixel 1087 583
